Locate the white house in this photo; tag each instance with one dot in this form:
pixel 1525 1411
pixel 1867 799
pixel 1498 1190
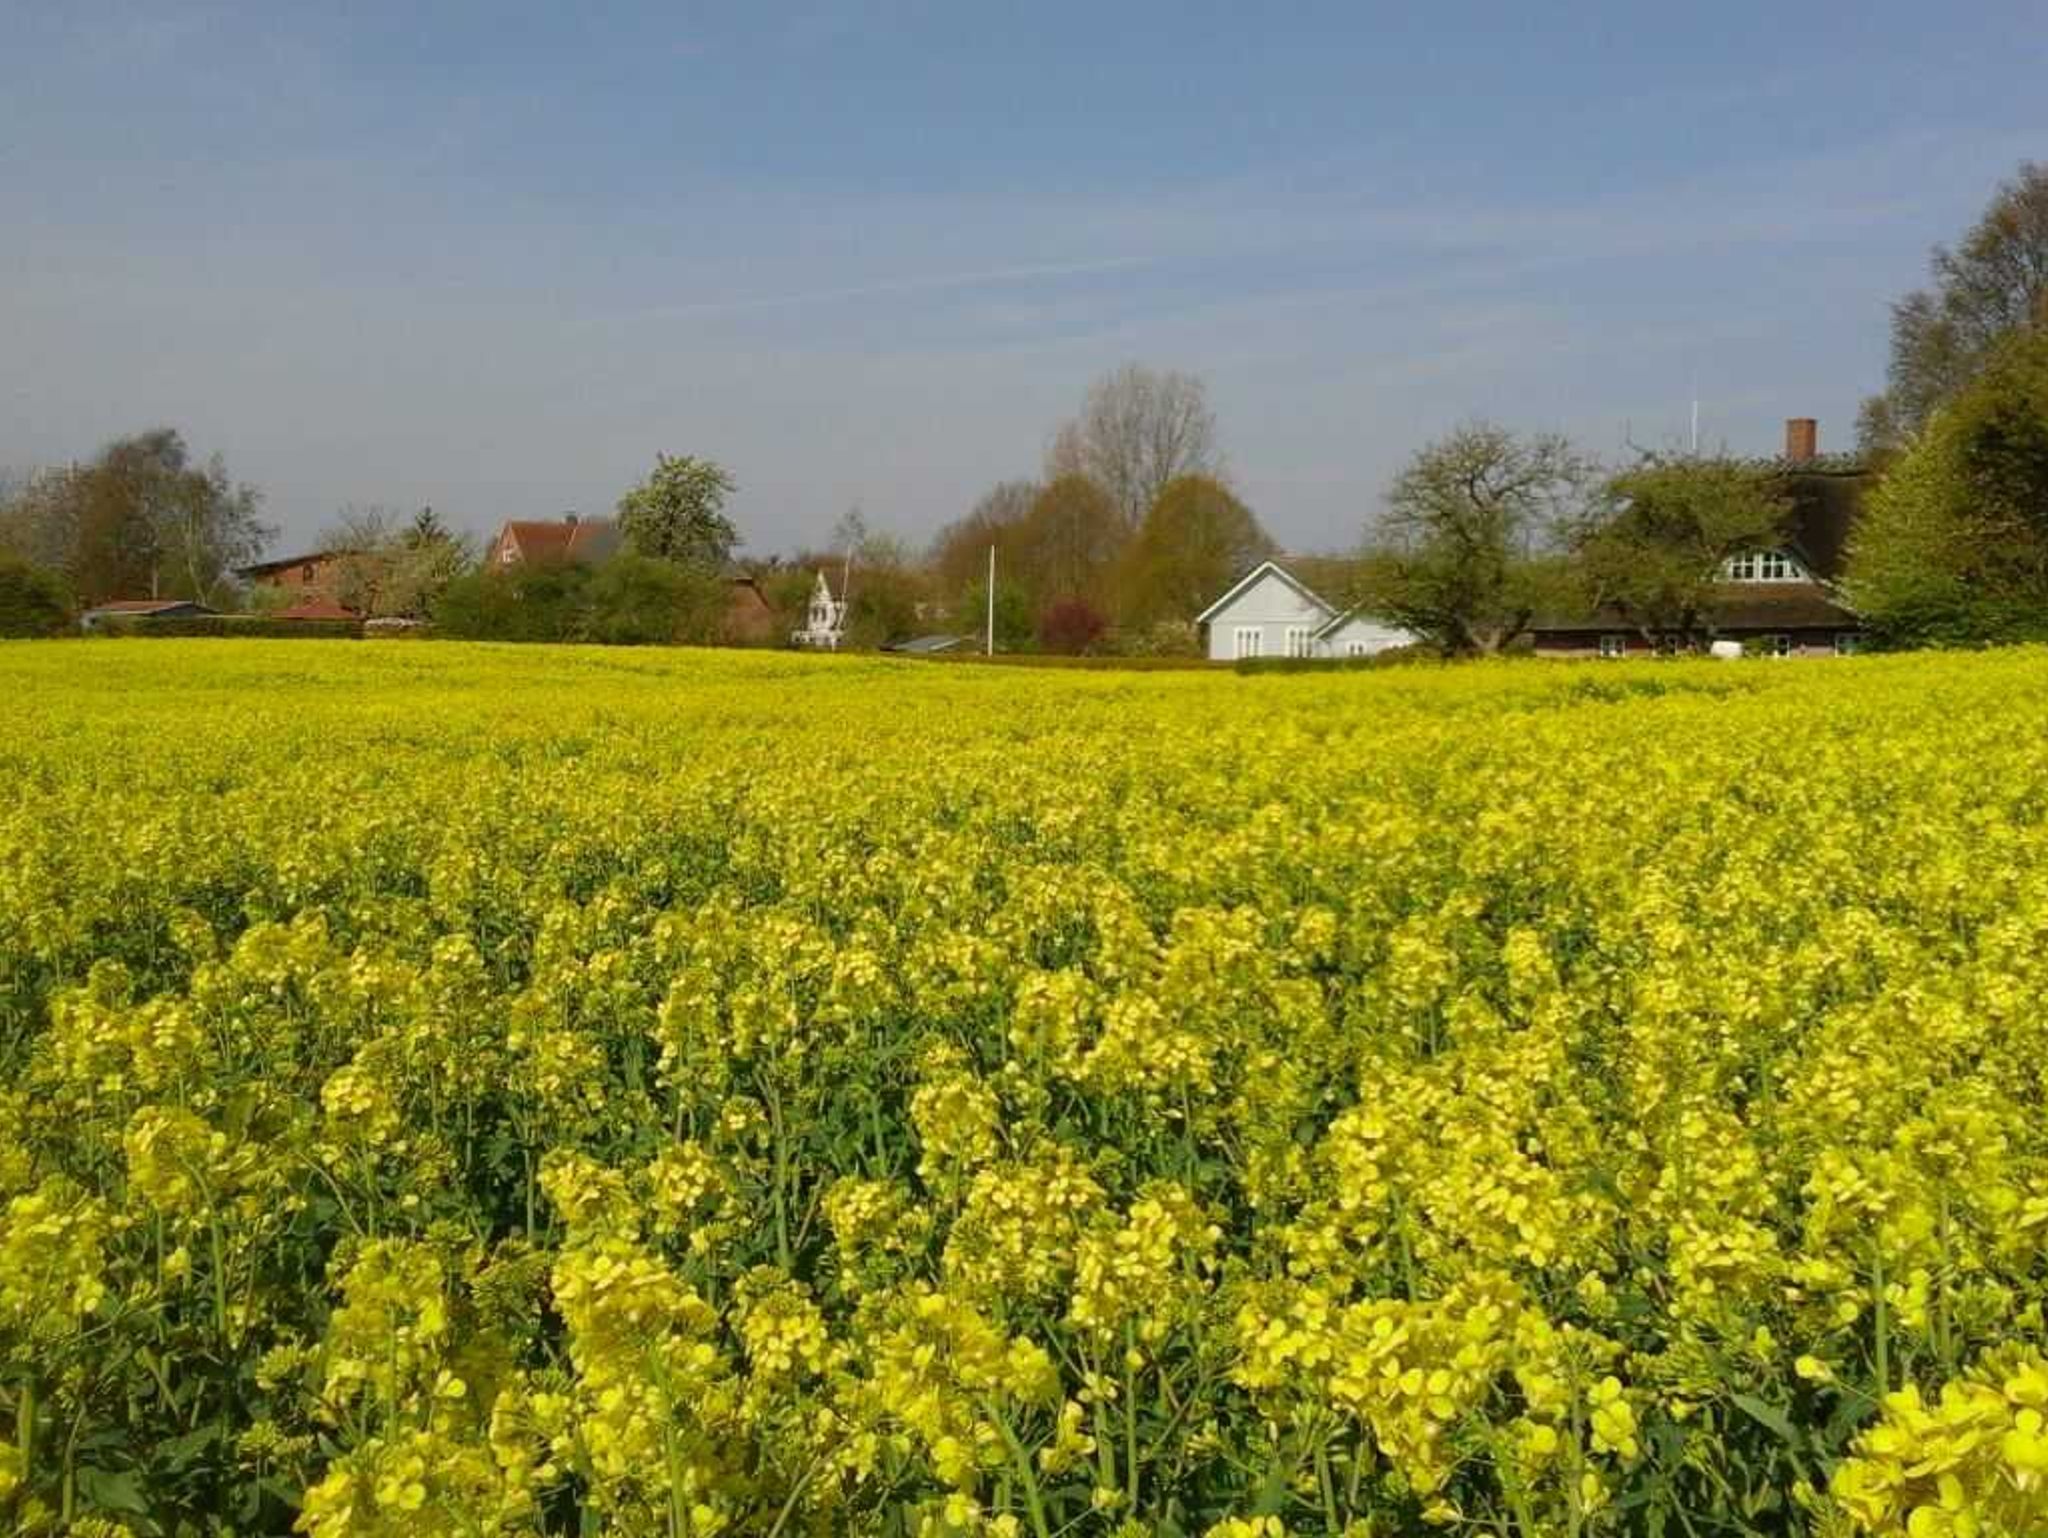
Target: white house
pixel 824 620
pixel 1269 612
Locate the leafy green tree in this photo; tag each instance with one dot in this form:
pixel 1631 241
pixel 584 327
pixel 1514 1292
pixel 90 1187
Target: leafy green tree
pixel 1014 630
pixel 142 519
pixel 1196 539
pixel 678 513
pixel 386 567
pixel 1992 285
pixel 32 601
pixel 636 600
pixel 1655 548
pixel 526 602
pixel 1952 548
pixel 1466 554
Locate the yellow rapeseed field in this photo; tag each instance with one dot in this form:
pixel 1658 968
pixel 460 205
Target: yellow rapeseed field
pixel 471 1091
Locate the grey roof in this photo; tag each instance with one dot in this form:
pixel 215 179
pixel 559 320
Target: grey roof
pixel 926 644
pixel 1253 575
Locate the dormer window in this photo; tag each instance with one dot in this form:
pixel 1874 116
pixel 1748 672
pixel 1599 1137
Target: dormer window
pixel 1762 566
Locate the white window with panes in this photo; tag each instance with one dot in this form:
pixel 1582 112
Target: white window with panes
pixel 1614 647
pixel 1762 566
pixel 1779 645
pixel 1247 641
pixel 1298 641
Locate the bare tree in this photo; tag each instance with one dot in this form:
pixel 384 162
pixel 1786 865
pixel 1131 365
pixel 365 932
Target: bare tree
pixel 1138 429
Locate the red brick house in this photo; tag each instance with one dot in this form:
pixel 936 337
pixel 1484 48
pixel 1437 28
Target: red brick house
pixel 749 618
pixel 541 541
pixel 295 574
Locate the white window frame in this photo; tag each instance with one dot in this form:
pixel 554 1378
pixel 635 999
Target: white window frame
pixel 1777 644
pixel 1247 642
pixel 1356 648
pixel 1762 566
pixel 1613 647
pixel 1299 642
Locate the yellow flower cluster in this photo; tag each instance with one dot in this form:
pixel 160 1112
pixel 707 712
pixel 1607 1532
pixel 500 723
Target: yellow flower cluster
pixel 457 1090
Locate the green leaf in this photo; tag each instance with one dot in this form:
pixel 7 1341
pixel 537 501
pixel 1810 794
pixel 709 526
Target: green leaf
pixel 1769 1416
pixel 111 1491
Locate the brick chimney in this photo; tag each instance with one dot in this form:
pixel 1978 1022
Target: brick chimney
pixel 1802 439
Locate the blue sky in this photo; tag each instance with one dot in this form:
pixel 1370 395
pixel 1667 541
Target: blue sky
pixel 494 257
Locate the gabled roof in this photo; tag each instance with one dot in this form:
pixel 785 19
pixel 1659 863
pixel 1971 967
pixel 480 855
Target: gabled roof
pixel 1252 576
pixel 558 539
pixel 1339 620
pixel 146 606
pixel 257 570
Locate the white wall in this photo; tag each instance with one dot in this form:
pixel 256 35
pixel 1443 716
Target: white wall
pixel 1361 636
pixel 1270 606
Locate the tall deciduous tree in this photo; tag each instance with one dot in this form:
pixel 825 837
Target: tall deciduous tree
pixel 1196 538
pixel 1655 548
pixel 959 552
pixel 142 519
pixel 1138 429
pixel 389 567
pixel 1465 554
pixel 1994 284
pixel 1069 543
pixel 678 513
pixel 1952 546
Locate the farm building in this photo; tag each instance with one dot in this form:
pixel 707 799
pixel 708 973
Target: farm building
pixel 295 574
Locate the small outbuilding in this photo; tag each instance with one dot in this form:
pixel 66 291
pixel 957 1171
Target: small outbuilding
pixel 126 610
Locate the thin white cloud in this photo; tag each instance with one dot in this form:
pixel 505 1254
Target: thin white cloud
pixel 987 278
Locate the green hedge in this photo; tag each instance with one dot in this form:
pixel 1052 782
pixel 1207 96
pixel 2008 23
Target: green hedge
pixel 246 625
pixel 1393 657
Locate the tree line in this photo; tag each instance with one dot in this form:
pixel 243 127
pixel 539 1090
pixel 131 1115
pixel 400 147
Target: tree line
pixel 1133 523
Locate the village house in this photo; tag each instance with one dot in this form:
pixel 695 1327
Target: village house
pixel 749 617
pixel 1780 602
pixel 296 575
pixel 542 541
pixel 1270 612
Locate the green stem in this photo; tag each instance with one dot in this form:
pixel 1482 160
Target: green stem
pixel 1034 1503
pixel 25 1430
pixel 1130 1421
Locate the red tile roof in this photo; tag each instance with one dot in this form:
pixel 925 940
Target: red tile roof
pixel 556 539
